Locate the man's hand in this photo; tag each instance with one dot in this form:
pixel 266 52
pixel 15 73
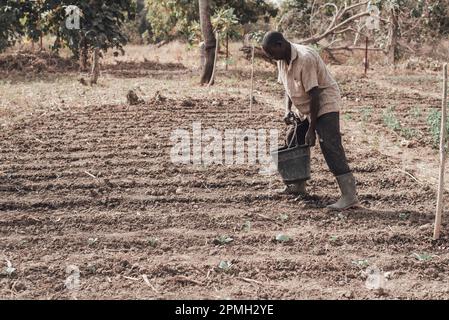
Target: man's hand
pixel 288 118
pixel 314 107
pixel 311 137
pixel 288 110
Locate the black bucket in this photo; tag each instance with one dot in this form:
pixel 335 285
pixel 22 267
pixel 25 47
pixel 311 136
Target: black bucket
pixel 293 163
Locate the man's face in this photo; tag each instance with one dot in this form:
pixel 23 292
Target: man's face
pixel 275 52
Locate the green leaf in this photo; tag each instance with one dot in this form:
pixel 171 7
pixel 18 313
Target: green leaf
pixel 224 265
pixel 152 242
pixel 92 241
pixel 403 216
pixel 9 270
pixel 247 226
pixel 423 256
pixel 222 240
pixel 282 238
pixel 361 262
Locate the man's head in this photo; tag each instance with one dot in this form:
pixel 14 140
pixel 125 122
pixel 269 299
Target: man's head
pixel 275 46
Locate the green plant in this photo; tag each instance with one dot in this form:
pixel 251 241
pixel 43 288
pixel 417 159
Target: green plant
pixel 222 240
pixel 416 112
pixel 152 242
pixel 225 22
pixel 224 265
pixel 366 113
pixel 247 226
pixel 434 123
pixel 92 241
pixel 9 270
pixel 404 216
pixel 390 120
pixel 423 256
pixel 408 133
pixel 177 18
pixel 361 263
pixel 283 238
pixel 11 27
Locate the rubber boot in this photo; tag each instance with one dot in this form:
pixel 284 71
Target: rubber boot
pixel 295 189
pixel 348 199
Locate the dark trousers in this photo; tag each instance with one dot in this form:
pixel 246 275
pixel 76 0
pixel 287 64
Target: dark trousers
pixel 328 129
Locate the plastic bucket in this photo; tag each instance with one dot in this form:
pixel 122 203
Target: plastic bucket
pixel 293 163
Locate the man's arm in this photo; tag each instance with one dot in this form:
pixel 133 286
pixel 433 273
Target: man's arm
pixel 314 108
pixel 288 108
pixel 288 104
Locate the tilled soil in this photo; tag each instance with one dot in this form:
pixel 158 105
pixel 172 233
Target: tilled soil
pixel 35 62
pixel 95 188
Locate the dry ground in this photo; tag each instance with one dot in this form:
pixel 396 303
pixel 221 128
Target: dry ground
pixel 87 180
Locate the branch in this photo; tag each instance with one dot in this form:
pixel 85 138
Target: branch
pixel 356 5
pixel 348 48
pixel 336 15
pixel 345 30
pixel 316 39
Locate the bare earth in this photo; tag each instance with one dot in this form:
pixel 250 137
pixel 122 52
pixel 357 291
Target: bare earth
pixel 92 185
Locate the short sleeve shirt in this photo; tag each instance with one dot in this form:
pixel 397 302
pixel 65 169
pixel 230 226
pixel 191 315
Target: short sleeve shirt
pixel 306 71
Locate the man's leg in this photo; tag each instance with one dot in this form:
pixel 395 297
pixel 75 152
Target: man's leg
pixel 328 129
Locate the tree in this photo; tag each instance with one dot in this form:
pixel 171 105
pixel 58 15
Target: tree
pixel 327 23
pixel 209 41
pixel 170 19
pixel 10 25
pixel 225 23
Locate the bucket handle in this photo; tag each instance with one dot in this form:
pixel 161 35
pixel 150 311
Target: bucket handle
pixel 294 135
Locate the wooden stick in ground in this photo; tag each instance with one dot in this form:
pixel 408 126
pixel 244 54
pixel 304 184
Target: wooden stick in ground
pixel 227 50
pixel 95 66
pixel 212 78
pixel 439 210
pixel 252 82
pixel 366 55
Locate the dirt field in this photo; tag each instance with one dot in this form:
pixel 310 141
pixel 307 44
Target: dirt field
pixel 86 180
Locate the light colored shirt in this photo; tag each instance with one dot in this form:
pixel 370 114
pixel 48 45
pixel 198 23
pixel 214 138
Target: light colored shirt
pixel 306 71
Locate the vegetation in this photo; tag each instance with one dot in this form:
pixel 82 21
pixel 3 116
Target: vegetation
pixel 179 18
pixel 434 123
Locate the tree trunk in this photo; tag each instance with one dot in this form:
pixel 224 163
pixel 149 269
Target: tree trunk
pixel 83 54
pixel 95 66
pixel 202 55
pixel 209 41
pixel 393 37
pixel 214 69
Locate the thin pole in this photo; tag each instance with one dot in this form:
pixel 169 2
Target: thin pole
pixel 366 55
pixel 443 133
pixel 227 50
pixel 252 82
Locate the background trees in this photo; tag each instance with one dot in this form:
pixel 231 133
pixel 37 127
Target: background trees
pixel 329 25
pixel 101 22
pixel 176 18
pixel 10 25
